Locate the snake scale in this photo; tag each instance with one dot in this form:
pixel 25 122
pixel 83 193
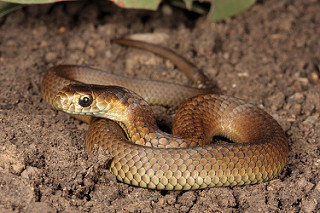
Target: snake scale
pixel 122 122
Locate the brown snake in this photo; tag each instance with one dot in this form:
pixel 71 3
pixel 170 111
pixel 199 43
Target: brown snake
pixel 143 155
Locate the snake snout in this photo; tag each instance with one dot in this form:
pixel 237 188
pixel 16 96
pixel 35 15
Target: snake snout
pixel 62 102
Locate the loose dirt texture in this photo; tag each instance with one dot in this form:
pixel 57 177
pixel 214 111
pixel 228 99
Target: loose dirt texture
pixel 269 55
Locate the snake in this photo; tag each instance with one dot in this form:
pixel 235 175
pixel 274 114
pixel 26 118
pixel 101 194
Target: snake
pixel 121 121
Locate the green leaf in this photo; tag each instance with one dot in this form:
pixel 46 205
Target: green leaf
pixel 188 4
pixel 33 1
pixel 138 4
pixel 221 9
pixel 6 8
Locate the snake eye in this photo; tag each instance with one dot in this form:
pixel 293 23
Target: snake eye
pixel 85 100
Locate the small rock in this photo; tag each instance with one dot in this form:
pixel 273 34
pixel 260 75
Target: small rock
pixel 304 183
pixel 155 38
pixel 187 199
pixel 295 109
pixel 76 44
pixel 11 161
pixel 40 31
pixel 170 199
pixel 99 45
pixel 10 47
pixel 303 81
pixel 50 57
pixel 162 202
pixel 62 29
pixel 167 10
pixel 312 102
pixel 318 187
pixel 314 78
pixel 310 121
pixel 31 173
pixel 91 52
pixel 309 205
pixel 12 42
pixel 297 97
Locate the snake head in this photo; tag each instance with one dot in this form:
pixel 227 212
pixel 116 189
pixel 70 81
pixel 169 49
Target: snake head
pixel 110 102
pixel 75 99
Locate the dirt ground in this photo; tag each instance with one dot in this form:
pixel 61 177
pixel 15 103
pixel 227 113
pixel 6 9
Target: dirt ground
pixel 269 55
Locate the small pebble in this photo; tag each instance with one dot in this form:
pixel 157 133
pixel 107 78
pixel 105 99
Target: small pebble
pixel 76 44
pixel 295 109
pixel 156 38
pixel 310 121
pixel 11 161
pixel 166 10
pixel 31 173
pixel 318 187
pixel 314 78
pixel 51 57
pixel 12 43
pixel 303 81
pixel 90 52
pixel 297 97
pixel 62 29
pixel 162 202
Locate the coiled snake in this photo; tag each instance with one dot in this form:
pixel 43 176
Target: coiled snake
pixel 143 155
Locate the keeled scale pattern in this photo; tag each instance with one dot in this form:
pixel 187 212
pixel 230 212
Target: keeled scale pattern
pixel 259 159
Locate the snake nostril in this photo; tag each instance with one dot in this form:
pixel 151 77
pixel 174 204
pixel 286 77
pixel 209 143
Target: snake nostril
pixel 60 102
pixel 65 103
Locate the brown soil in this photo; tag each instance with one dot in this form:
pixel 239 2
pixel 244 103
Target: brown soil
pixel 269 55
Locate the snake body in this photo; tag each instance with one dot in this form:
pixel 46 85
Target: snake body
pixel 145 156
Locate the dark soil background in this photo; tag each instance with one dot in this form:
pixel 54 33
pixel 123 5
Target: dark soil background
pixel 268 55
